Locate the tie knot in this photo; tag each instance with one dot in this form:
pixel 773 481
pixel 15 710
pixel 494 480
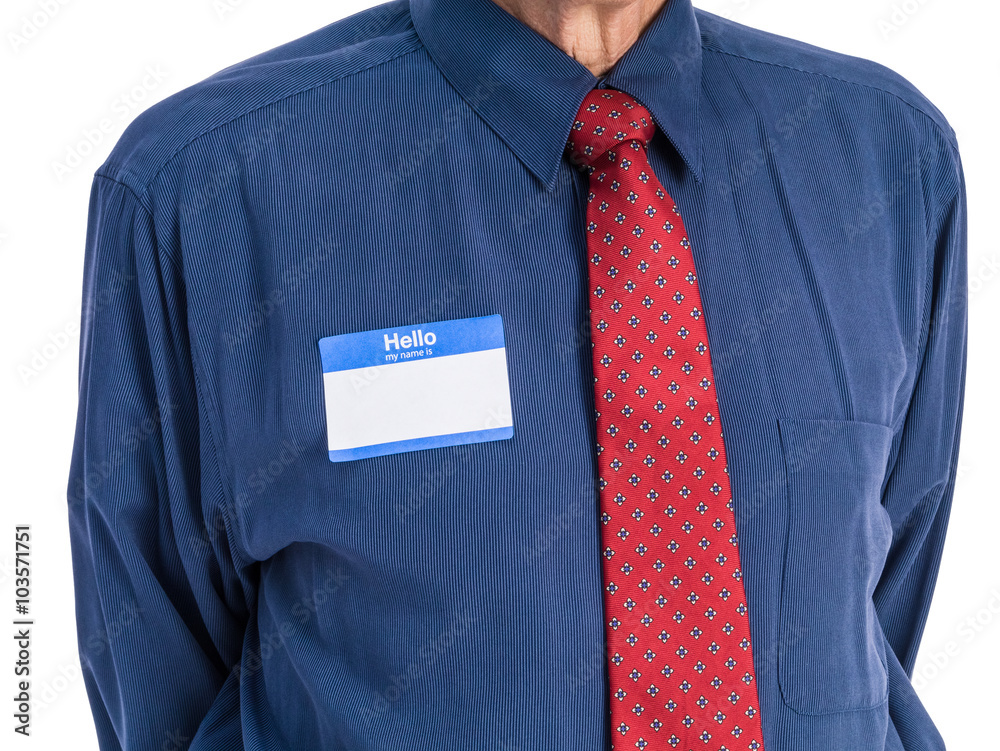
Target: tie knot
pixel 606 118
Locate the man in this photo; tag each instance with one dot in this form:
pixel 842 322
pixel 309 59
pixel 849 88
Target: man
pixel 520 375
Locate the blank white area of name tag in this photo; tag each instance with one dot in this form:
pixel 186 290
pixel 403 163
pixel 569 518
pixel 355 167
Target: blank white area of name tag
pixel 419 399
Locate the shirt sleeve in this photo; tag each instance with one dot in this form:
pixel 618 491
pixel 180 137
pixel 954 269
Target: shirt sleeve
pixel 161 603
pixel 919 488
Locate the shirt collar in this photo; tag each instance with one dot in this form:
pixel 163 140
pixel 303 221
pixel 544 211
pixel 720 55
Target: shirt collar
pixel 528 90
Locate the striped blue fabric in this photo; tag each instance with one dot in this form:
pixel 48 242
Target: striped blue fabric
pixel 238 590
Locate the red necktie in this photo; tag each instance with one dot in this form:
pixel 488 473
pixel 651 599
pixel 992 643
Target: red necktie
pixel 680 661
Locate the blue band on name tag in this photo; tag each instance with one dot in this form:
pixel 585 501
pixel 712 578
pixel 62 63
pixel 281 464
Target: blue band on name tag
pixel 367 348
pixel 419 444
pixel 410 388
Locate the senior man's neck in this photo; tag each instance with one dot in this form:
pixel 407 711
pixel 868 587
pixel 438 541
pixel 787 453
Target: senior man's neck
pixel 594 32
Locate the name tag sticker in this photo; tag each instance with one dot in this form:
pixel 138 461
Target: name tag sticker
pixel 416 387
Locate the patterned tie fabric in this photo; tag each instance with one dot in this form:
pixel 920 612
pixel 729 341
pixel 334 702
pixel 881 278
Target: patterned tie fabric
pixel 680 661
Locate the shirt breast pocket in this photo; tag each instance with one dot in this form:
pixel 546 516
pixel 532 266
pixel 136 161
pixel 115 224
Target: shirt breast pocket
pixel 831 653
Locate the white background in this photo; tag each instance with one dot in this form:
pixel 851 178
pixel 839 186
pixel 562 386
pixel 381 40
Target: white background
pixel 87 63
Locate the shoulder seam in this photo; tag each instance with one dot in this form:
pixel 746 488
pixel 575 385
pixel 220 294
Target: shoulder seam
pixel 129 188
pixel 947 204
pixel 948 135
pixel 149 215
pixel 416 45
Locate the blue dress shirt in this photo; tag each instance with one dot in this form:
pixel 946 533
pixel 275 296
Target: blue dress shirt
pixel 238 590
